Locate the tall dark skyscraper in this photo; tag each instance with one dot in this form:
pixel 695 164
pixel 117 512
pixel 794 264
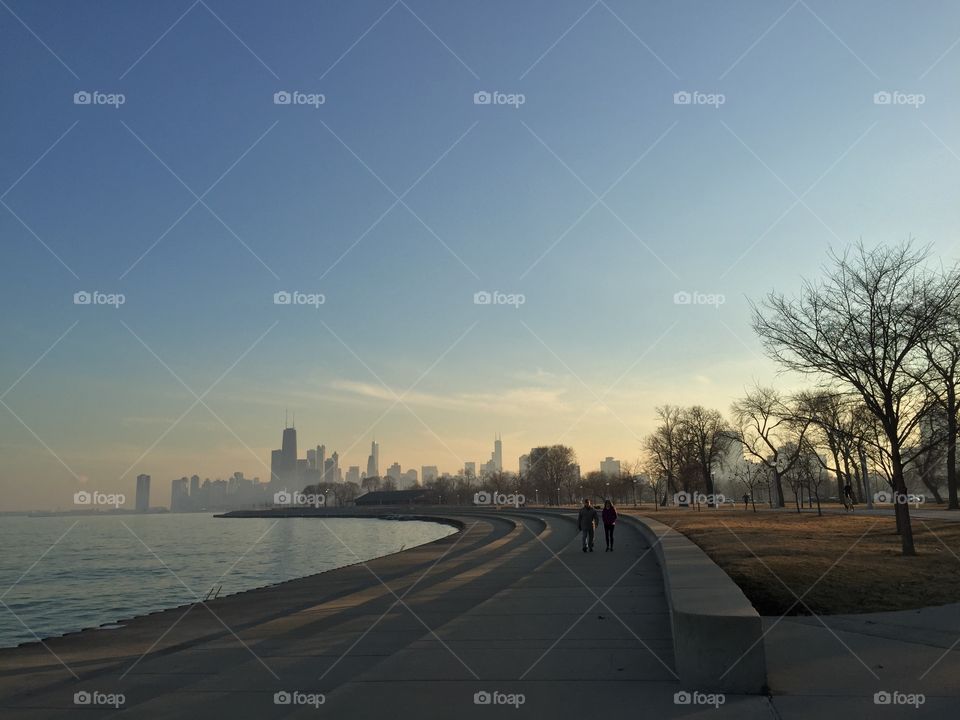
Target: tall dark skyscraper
pixel 143 493
pixel 288 456
pixel 373 460
pixel 276 463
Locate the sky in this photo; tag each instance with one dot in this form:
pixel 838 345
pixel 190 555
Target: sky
pixel 587 197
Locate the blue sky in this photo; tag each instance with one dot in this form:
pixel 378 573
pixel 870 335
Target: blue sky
pixel 732 200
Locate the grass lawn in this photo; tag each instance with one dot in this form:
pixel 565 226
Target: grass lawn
pixel 764 552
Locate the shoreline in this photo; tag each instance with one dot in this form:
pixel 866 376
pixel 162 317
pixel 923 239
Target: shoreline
pixel 121 622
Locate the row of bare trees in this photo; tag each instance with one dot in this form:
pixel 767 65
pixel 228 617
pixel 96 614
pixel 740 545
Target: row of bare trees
pixel 878 337
pixel 882 325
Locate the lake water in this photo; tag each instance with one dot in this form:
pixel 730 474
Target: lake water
pixel 61 574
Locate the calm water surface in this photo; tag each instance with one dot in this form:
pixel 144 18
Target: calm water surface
pixel 60 574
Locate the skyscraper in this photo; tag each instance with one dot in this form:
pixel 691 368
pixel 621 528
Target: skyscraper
pixel 373 461
pixel 143 493
pixel 276 466
pixel 179 497
pixel 288 454
pixel 336 467
pixel 428 473
pixel 321 459
pixel 497 454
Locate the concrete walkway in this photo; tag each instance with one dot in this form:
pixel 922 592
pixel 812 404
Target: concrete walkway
pixel 509 610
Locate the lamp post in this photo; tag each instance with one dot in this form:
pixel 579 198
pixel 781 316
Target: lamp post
pixel 537 492
pixel 558 496
pixel 634 491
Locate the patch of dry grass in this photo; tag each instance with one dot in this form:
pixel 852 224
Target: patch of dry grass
pixel 858 556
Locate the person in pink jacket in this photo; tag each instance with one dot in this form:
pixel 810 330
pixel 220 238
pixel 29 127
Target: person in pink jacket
pixel 609 516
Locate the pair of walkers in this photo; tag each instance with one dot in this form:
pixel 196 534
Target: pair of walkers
pixel 589 519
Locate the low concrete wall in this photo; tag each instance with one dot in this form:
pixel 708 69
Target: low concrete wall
pixel 717 633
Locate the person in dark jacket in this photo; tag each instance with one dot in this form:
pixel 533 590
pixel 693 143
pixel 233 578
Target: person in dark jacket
pixel 587 521
pixel 609 515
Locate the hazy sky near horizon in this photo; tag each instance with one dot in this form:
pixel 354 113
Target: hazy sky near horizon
pixel 599 198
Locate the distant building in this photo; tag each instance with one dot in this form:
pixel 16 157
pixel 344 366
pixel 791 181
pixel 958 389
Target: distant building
pixel 524 464
pixel 470 469
pixel 312 459
pixel 395 472
pixel 275 466
pixel 410 479
pixel 610 467
pixel 288 454
pixel 373 460
pixel 143 493
pixel 194 488
pixel 495 463
pixel 353 474
pixel 428 473
pixel 179 496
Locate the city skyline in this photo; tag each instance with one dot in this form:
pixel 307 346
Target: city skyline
pixel 419 257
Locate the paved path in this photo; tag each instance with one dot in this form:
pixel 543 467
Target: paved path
pixel 509 608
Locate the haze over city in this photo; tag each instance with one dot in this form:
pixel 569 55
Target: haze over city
pixel 597 199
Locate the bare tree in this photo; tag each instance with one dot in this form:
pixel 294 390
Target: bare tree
pixel 862 327
pixel 706 436
pixel 663 447
pixel 771 430
pixel 942 381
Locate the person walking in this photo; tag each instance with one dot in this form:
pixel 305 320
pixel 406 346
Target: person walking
pixel 609 516
pixel 848 498
pixel 587 521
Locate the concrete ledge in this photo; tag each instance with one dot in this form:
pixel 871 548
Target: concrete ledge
pixel 717 633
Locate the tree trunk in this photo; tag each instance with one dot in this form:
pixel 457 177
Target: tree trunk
pixel 952 503
pixel 778 490
pixel 901 508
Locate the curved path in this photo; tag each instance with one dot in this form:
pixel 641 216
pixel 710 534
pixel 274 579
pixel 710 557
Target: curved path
pixel 509 606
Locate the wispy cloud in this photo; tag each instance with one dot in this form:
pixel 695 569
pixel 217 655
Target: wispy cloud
pixel 526 400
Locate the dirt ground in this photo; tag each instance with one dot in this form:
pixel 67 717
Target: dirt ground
pixel 835 564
